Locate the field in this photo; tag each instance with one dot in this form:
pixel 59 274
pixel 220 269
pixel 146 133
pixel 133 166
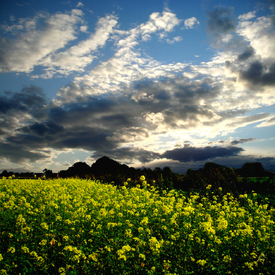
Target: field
pixel 74 226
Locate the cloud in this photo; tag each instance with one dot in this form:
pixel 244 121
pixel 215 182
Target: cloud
pixel 190 153
pixel 18 109
pixel 260 35
pixel 129 153
pixel 190 22
pixel 258 74
pixel 246 120
pixel 77 57
pixel 132 107
pixel 40 37
pixel 130 134
pixel 175 39
pixel 167 21
pixel 79 4
pixel 83 28
pixel 18 154
pixel 221 21
pixel 220 24
pixel 41 129
pixel 268 122
pixel 241 140
pixel 247 16
pixel 249 52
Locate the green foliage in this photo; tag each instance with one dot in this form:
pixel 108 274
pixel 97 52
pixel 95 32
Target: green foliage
pixel 211 173
pixel 264 186
pixel 74 226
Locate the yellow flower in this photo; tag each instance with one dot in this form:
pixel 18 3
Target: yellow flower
pixel 108 248
pixel 142 256
pixel 25 249
pixel 144 221
pixel 142 178
pixel 128 233
pixel 1 257
pixel 58 218
pixel 65 238
pixel 43 242
pixel 62 270
pixel 93 256
pixel 249 265
pixel 201 262
pixel 154 244
pixel 227 259
pixel 44 226
pixel 11 250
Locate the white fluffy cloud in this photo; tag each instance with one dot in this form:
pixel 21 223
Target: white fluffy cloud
pixel 191 22
pixel 77 57
pixel 37 42
pixel 175 39
pixel 260 34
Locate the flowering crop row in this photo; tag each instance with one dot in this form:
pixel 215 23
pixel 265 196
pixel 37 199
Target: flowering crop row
pixel 73 226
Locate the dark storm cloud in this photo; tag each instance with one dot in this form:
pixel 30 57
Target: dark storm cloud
pixel 258 74
pixel 190 153
pixel 4 46
pixel 241 140
pixel 106 112
pixel 221 21
pixel 103 124
pixel 41 129
pixel 192 93
pixel 29 99
pixel 181 100
pixel 80 125
pixel 76 137
pixel 19 154
pixel 186 117
pixel 246 54
pixel 273 20
pixel 87 138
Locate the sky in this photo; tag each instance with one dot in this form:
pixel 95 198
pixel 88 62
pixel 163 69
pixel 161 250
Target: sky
pixel 153 83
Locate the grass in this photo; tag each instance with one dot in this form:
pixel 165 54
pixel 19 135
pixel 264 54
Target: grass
pixel 74 226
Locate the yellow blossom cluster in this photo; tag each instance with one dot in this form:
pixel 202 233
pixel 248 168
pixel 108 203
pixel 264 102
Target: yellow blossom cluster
pixel 74 226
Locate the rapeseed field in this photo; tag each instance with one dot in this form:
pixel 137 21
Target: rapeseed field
pixel 74 226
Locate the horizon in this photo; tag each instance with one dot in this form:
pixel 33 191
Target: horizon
pixel 141 168
pixel 146 83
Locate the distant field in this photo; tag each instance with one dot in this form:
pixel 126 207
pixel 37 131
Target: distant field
pixel 74 226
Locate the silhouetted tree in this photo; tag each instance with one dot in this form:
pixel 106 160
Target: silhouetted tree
pixel 252 170
pixel 48 173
